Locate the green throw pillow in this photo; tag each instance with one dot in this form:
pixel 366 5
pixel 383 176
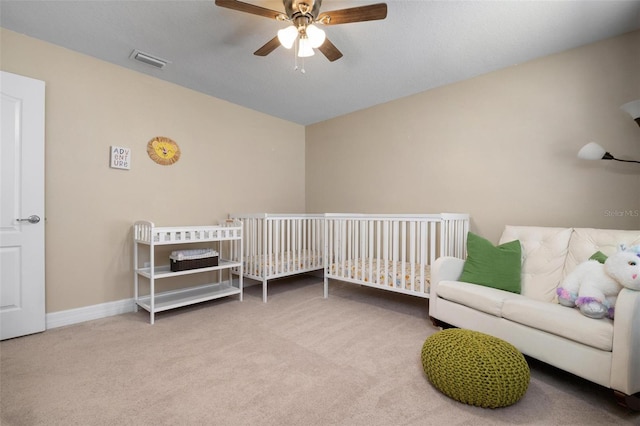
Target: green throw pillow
pixel 599 256
pixel 493 266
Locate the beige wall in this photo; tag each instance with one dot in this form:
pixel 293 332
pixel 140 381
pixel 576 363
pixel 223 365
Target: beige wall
pixel 233 160
pixel 501 147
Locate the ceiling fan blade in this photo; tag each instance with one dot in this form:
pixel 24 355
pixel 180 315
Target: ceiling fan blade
pixel 269 47
pixel 248 8
pixel 354 14
pixel 329 50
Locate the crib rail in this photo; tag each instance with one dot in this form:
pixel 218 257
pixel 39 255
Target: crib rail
pixel 391 251
pixel 386 251
pixel 278 245
pixel 453 234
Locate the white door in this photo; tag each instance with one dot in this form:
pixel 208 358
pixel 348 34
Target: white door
pixel 22 309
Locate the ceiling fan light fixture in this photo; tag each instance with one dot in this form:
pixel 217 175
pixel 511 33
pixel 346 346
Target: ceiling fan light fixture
pixel 305 15
pixel 316 36
pixel 287 36
pixel 304 48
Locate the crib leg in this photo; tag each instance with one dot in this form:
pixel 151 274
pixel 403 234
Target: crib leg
pixel 326 286
pixel 264 291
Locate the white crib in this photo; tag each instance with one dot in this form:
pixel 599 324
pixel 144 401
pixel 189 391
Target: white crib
pixel 280 245
pixel 391 252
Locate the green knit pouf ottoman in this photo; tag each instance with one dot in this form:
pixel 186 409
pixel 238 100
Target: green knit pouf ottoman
pixel 475 368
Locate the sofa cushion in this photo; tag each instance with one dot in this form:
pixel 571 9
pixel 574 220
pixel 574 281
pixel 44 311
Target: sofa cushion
pixel 585 241
pixel 478 297
pixel 544 252
pixel 492 266
pixel 560 320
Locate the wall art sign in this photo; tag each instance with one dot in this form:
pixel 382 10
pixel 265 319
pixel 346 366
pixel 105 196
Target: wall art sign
pixel 120 157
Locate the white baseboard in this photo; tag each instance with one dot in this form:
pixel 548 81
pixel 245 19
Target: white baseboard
pixel 88 313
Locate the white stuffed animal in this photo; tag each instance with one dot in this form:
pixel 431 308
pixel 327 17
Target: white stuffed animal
pixel 594 287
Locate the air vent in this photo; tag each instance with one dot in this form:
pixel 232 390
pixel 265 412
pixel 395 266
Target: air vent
pixel 149 59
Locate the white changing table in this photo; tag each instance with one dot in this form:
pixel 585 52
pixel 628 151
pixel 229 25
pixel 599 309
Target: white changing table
pixel 227 240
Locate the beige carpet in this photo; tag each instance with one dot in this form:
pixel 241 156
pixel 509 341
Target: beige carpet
pixel 351 359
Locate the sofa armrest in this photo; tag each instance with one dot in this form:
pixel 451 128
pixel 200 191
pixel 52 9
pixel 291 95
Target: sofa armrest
pixel 446 268
pixel 625 368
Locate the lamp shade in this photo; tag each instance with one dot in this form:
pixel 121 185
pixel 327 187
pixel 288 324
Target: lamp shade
pixel 287 36
pixel 592 151
pixel 632 108
pixel 304 48
pixel 316 36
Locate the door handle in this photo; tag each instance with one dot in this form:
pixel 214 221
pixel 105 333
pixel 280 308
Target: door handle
pixel 31 219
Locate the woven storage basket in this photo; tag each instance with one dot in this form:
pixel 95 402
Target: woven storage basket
pixel 183 265
pixel 475 368
pixel 193 259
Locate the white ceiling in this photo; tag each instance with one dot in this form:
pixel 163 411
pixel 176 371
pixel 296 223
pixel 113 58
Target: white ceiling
pixel 419 46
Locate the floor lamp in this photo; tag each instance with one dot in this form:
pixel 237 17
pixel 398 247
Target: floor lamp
pixel 593 151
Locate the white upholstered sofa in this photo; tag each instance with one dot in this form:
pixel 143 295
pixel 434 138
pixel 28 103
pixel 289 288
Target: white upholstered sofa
pixel 603 351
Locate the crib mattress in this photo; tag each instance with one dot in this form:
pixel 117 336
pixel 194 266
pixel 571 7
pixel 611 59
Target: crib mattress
pixel 369 271
pixel 282 263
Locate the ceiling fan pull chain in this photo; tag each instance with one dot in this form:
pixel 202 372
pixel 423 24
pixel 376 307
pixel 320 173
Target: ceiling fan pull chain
pixel 295 59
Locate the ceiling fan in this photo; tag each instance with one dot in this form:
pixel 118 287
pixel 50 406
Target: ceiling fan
pixel 303 16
